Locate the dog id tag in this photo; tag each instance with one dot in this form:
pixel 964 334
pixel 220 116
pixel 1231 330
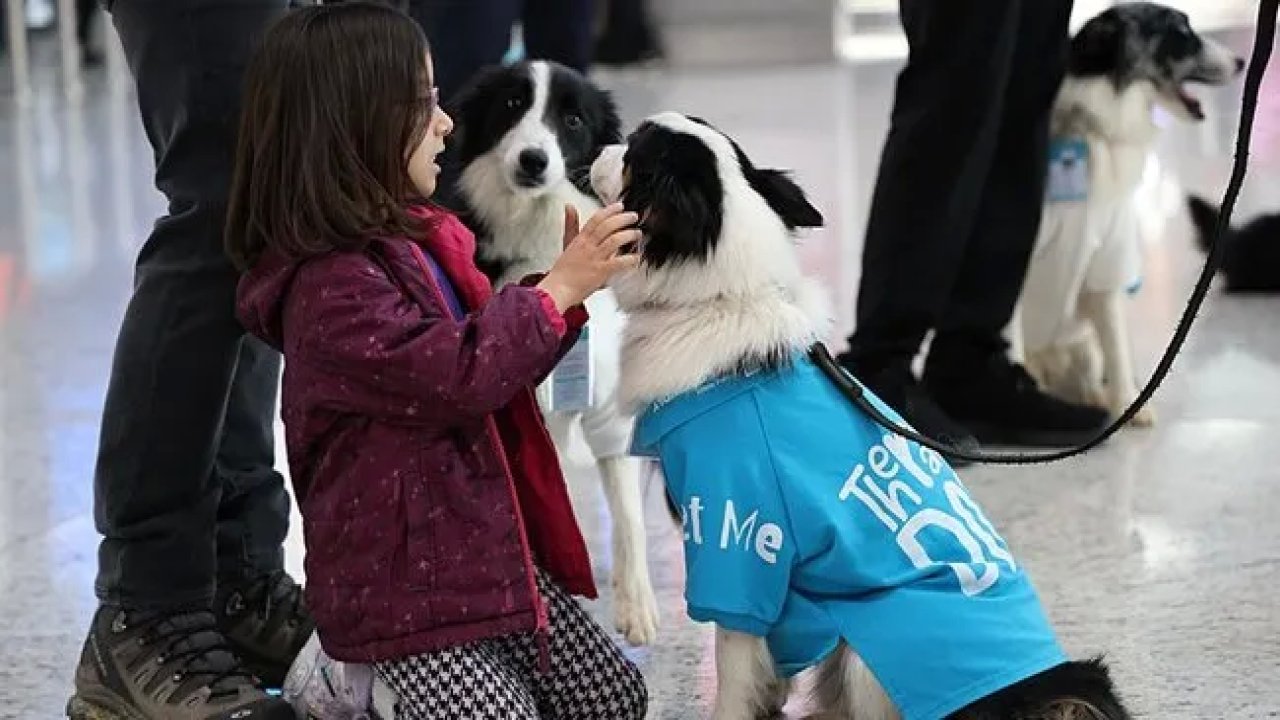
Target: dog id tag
pixel 571 380
pixel 1068 170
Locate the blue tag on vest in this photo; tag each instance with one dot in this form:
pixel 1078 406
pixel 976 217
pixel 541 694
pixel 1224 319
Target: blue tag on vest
pixel 1068 170
pixel 571 380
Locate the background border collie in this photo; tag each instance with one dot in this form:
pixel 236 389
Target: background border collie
pixel 1071 326
pixel 877 571
pixel 525 138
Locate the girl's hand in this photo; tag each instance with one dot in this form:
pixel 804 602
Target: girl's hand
pixel 591 256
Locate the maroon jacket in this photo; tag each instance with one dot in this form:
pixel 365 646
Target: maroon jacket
pixel 427 481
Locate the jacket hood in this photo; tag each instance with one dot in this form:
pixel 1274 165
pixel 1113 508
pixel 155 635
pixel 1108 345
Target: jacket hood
pixel 262 295
pixel 263 292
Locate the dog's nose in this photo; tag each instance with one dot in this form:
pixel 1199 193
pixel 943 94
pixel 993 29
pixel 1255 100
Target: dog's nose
pixel 1240 64
pixel 533 162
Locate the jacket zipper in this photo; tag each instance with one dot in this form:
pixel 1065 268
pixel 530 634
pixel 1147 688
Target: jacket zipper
pixel 541 629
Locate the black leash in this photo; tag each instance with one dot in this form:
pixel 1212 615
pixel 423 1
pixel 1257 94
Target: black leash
pixel 1263 40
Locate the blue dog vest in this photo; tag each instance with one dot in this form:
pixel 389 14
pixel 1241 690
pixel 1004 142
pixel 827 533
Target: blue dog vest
pixel 806 523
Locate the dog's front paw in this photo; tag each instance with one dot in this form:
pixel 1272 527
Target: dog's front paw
pixel 635 609
pixel 1144 418
pixel 1096 396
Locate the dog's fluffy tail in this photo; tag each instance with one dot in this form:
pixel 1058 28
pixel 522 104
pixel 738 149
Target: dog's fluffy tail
pixel 1205 216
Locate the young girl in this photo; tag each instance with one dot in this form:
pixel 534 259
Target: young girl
pixel 441 546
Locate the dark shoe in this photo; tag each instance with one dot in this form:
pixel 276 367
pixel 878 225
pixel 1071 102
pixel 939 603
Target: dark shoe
pixel 900 390
pixel 1001 403
pixel 266 622
pixel 138 666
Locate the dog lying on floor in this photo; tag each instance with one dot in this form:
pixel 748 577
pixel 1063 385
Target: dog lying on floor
pixel 1251 261
pixel 813 538
pixel 1070 328
pixel 526 136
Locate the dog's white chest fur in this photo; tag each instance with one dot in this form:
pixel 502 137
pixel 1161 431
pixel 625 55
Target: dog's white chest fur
pixel 1070 327
pixel 526 234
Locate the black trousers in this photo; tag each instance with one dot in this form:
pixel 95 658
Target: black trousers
pixel 958 199
pixel 185 492
pixel 467 35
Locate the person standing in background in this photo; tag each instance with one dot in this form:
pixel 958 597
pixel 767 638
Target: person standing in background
pixel 953 221
pixel 628 37
pixel 196 611
pixel 467 35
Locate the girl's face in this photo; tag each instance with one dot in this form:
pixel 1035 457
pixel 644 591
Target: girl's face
pixel 424 173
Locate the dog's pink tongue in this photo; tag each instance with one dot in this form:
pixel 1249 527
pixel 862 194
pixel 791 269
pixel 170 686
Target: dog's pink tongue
pixel 1192 104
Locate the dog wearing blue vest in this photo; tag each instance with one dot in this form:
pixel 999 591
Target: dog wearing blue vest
pixel 814 539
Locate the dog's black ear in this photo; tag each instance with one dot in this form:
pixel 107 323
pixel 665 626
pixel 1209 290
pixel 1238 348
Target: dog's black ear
pixel 469 98
pixel 680 200
pixel 786 198
pixel 471 108
pixel 782 194
pixel 1099 47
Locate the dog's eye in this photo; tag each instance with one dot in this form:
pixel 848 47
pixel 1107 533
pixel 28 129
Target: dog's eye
pixel 572 121
pixel 515 103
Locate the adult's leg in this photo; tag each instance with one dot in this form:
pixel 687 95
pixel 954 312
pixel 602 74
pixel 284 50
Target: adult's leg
pixel 465 35
pixel 560 30
pixel 629 34
pixel 259 607
pixel 253 516
pixel 942 140
pixel 968 371
pixel 156 497
pixel 994 263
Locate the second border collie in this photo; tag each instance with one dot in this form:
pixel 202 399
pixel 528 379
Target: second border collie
pixel 525 138
pixel 1071 326
pixel 813 538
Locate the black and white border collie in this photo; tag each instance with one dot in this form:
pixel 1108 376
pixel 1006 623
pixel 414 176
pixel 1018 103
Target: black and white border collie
pixel 720 293
pixel 1071 328
pixel 525 138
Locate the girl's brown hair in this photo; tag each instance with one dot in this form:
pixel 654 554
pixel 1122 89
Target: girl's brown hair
pixel 334 98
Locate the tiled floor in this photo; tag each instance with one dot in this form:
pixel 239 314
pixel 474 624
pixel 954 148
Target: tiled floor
pixel 1161 549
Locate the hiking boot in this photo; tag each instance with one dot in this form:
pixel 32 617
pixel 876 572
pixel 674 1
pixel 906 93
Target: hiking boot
pixel 899 389
pixel 266 622
pixel 1002 404
pixel 155 666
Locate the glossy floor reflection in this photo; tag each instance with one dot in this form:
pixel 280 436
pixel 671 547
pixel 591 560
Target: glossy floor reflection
pixel 1160 549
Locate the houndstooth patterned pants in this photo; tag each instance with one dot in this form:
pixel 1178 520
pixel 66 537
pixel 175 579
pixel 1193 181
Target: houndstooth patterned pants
pixel 499 679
